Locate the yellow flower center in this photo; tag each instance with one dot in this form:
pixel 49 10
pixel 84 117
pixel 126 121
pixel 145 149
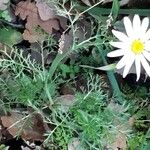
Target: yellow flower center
pixel 137 46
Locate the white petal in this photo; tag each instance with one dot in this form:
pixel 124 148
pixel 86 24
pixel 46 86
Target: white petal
pixel 121 63
pixel 116 53
pixel 129 63
pixel 136 25
pixel 118 44
pixel 146 55
pixel 137 66
pixel 147 35
pixel 121 36
pixel 128 26
pixel 145 64
pixel 147 46
pixel 145 24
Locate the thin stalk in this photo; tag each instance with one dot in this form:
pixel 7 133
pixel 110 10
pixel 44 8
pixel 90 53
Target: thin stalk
pixel 91 7
pixel 59 57
pixel 112 79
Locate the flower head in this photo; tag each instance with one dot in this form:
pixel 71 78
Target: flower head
pixel 134 46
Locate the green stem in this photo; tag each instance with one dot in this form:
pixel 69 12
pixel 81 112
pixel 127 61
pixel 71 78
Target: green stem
pixel 111 77
pixel 59 57
pixel 106 11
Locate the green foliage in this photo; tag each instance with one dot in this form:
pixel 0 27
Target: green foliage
pixel 69 70
pixel 139 142
pixel 62 137
pixel 25 89
pixel 95 122
pixel 3 147
pixel 5 15
pixel 146 142
pixel 136 141
pixel 29 79
pixel 13 60
pixel 146 147
pixel 90 119
pixel 95 119
pixel 10 36
pixel 138 99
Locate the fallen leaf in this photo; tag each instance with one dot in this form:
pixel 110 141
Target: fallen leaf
pixel 29 128
pixel 33 37
pixel 3 4
pixel 0 132
pixel 28 10
pixel 74 144
pixel 65 42
pixel 120 142
pixel 67 89
pixel 64 102
pixel 106 1
pixel 122 127
pixel 46 11
pixel 122 2
pixel 138 3
pixel 83 32
pixel 132 121
pixel 87 2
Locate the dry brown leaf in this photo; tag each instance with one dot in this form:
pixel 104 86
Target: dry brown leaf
pixel 33 37
pixel 65 42
pixel 28 10
pixel 120 142
pixel 87 2
pixel 46 11
pixel 65 102
pixel 122 2
pixel 3 4
pixel 0 132
pixel 120 139
pixel 83 32
pixel 67 89
pixel 31 128
pixel 132 121
pixel 74 144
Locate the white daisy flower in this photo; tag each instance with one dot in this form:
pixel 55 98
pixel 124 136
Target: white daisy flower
pixel 134 46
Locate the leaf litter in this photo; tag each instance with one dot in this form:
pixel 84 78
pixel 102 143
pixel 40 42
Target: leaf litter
pixel 40 19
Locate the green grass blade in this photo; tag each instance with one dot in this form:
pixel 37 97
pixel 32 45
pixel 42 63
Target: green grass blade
pixel 146 142
pixel 115 9
pixel 111 77
pixel 59 57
